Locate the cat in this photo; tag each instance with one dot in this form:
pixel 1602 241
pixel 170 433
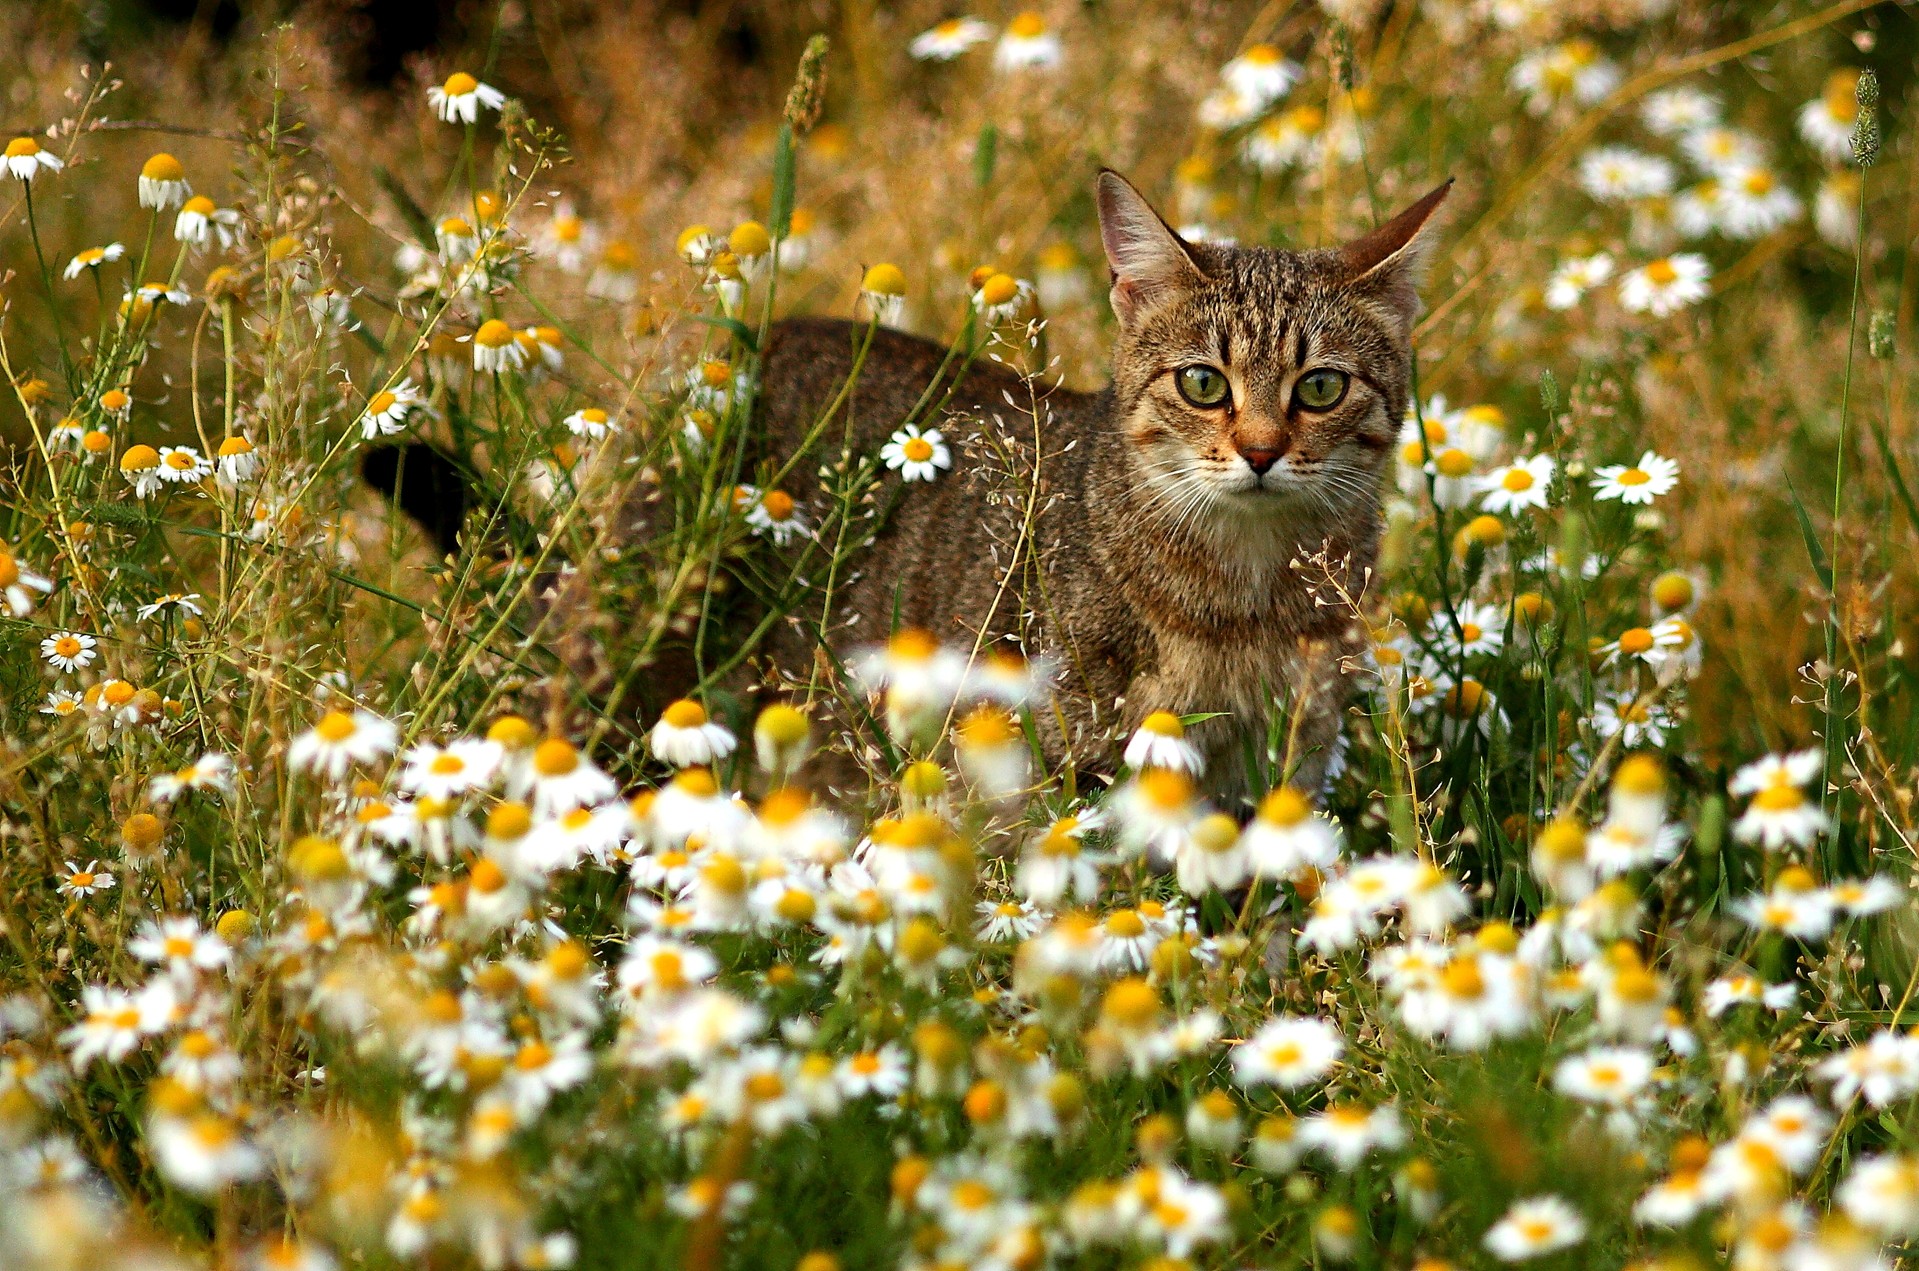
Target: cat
pixel 1255 403
pixel 1168 543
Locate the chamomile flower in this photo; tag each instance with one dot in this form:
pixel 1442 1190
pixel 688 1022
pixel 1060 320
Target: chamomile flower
pixel 1665 286
pixel 1286 139
pixel 1620 174
pixel 1481 628
pixel 180 947
pixel 883 288
pixel 1346 1133
pixel 140 465
pixel 237 460
pixel 68 650
pixel 1574 71
pixel 62 703
pixel 1796 906
pixel 174 601
pixel 560 779
pixel 1881 1194
pixel 685 736
pixel 1718 149
pixel 342 738
pixel 1285 836
pixel 92 258
pixel 1059 864
pixel 456 239
pixel 775 514
pixel 495 349
pixel 1639 483
pixel 163 183
pixel 78 881
pixel 1862 897
pixel 194 224
pixel 1262 74
pixel 114 1022
pixel 1160 742
pixel 1674 112
pixel 917 454
pixel 1609 1075
pixel 1288 1051
pixel 1754 202
pixel 26 159
pixel 1518 485
pixel 590 422
pixel 183 465
pixel 1002 298
pixel 1780 814
pixel 211 771
pixel 1027 44
pixel 1572 279
pixel 446 772
pixel 385 413
pixel 949 39
pixel 462 97
pixel 1826 122
pixel 1534 1227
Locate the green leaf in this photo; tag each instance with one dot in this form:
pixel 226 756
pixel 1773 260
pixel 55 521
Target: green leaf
pixel 1897 477
pixel 741 332
pixel 986 156
pixel 1820 564
pixel 781 214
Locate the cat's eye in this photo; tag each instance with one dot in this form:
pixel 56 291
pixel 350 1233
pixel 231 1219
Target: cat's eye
pixel 1321 389
pixel 1203 386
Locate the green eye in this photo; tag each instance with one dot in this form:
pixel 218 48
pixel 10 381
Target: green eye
pixel 1203 386
pixel 1321 389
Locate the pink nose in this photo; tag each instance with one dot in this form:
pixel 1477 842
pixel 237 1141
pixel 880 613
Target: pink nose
pixel 1260 460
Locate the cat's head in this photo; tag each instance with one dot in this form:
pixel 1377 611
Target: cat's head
pixel 1252 380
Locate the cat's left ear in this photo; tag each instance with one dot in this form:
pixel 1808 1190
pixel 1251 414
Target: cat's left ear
pixel 1391 261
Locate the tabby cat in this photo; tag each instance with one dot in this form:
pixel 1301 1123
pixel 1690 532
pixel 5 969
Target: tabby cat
pixel 1256 400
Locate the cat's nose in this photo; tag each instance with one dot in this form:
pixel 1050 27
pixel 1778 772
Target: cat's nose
pixel 1259 460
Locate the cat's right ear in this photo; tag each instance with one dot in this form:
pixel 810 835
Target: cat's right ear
pixel 1147 258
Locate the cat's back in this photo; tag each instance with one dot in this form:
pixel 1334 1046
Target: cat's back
pixel 940 557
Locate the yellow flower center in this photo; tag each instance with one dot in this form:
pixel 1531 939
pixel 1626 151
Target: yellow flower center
pixel 1454 463
pixel 1662 273
pixel 163 167
pixel 459 84
pixel 182 461
pixel 1517 479
pixel 494 334
pixel 555 758
pixel 21 147
pixel 1779 797
pixel 778 505
pixel 1635 641
pixel 917 449
pixel 1026 26
pixel 336 726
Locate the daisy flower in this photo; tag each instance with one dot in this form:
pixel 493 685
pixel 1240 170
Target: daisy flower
pixel 949 39
pixel 566 239
pixel 1160 742
pixel 1677 111
pixel 462 97
pixel 1058 864
pixel 26 160
pixel 1346 1133
pixel 1518 485
pixel 1285 837
pixel 387 410
pixel 18 585
pixel 1611 1075
pixel 62 703
pixel 194 224
pixel 446 772
pixel 916 454
pixel 1261 74
pixel 211 771
pixel 1862 897
pixel 113 1022
pixel 1754 202
pixel 456 239
pixel 1481 629
pixel 883 288
pixel 495 349
pixel 1729 991
pixel 92 258
pixel 1002 298
pixel 340 739
pixel 78 881
pixel 1666 285
pixel 140 465
pixel 1285 139
pixel 237 461
pixel 1573 71
pixel 163 183
pixel 183 464
pixel 1573 278
pixel 180 946
pixel 1534 1227
pixel 1027 45
pixel 173 600
pixel 588 421
pixel 1007 922
pixel 68 650
pixel 1620 174
pixel 560 779
pixel 1287 1051
pixel 1718 149
pixel 1826 122
pixel 1654 475
pixel 684 736
pixel 775 515
pixel 1642 722
pixel 1795 906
